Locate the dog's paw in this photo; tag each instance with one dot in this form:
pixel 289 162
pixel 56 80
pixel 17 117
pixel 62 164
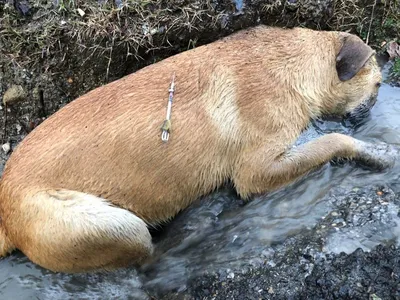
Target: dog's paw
pixel 339 161
pixel 376 156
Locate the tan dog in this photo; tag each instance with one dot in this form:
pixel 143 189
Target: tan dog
pixel 80 190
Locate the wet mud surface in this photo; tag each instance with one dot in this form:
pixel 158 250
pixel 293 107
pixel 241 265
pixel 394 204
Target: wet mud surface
pixel 325 262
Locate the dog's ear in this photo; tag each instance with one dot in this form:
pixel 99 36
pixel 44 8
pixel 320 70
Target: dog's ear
pixel 352 57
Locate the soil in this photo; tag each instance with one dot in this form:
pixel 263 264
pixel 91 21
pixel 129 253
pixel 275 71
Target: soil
pixel 302 267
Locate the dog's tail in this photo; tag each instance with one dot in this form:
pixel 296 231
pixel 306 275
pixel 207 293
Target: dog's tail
pixel 69 231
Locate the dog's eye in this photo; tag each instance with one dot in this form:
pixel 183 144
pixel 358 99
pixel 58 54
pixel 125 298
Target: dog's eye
pixel 378 84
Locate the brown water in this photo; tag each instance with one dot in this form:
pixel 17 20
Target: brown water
pixel 221 233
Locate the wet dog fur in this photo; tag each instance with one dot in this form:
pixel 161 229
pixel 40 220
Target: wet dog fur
pixel 79 192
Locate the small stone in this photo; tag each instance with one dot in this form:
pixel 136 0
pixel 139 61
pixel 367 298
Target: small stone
pixel 338 220
pixel 81 12
pixel 379 193
pixel 375 297
pixel 19 128
pixel 271 263
pixel 22 6
pixel 14 94
pixel 271 290
pixel 6 147
pixel 231 275
pixel 334 213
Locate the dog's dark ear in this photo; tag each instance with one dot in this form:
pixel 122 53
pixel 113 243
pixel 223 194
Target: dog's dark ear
pixel 352 57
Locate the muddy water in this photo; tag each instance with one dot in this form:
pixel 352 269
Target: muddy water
pixel 221 232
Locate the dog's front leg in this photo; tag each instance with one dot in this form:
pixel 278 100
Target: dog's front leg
pixel 261 170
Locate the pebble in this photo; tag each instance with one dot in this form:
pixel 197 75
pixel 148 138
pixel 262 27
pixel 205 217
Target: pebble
pixel 14 94
pixel 6 147
pixel 19 128
pixel 81 12
pixel 234 238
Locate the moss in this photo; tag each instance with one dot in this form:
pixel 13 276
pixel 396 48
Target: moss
pixel 394 77
pixel 396 66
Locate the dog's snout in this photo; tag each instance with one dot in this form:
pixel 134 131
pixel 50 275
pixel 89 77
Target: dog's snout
pixel 359 115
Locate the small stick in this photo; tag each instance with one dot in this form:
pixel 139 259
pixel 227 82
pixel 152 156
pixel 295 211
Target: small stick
pixel 5 123
pixel 166 127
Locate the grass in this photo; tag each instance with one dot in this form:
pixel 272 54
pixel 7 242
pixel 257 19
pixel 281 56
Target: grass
pixel 56 28
pixel 395 72
pixel 396 66
pixel 375 21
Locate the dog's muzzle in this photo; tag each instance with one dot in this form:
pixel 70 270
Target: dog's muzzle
pixel 361 112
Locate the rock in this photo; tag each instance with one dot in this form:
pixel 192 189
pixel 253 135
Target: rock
pixel 22 6
pixel 14 94
pixel 6 148
pixel 81 12
pixel 19 128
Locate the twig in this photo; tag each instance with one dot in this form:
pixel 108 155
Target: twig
pixel 42 108
pixel 370 22
pixel 109 61
pixel 5 124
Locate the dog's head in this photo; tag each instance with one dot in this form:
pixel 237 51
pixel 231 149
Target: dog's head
pixel 359 77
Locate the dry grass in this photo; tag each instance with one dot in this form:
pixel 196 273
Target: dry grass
pixel 374 20
pixel 92 28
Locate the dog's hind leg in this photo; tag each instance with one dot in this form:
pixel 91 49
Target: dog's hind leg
pixel 6 246
pixel 257 173
pixel 70 231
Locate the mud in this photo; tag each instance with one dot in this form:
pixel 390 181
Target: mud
pixel 314 264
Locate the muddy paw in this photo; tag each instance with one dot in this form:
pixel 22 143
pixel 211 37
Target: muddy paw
pixel 376 156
